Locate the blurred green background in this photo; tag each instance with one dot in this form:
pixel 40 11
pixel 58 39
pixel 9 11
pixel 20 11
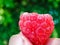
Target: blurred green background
pixel 10 11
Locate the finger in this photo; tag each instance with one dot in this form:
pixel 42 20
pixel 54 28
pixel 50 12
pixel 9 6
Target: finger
pixel 53 41
pixel 26 41
pixel 16 40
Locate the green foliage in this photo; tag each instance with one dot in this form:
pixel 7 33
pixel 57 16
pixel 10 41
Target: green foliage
pixel 10 11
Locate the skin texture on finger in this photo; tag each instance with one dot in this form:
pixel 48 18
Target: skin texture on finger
pixel 19 39
pixel 53 41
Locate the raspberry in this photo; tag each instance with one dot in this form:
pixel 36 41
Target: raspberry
pixel 36 27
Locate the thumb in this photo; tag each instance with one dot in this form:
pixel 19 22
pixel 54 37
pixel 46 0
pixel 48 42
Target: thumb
pixel 54 41
pixel 16 40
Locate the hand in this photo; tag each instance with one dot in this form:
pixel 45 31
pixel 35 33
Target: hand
pixel 20 39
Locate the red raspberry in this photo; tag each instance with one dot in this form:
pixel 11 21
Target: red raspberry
pixel 36 27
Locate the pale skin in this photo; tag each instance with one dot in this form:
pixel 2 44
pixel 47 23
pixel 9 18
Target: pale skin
pixel 20 39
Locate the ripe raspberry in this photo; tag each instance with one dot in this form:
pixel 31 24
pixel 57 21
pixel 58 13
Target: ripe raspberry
pixel 36 27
